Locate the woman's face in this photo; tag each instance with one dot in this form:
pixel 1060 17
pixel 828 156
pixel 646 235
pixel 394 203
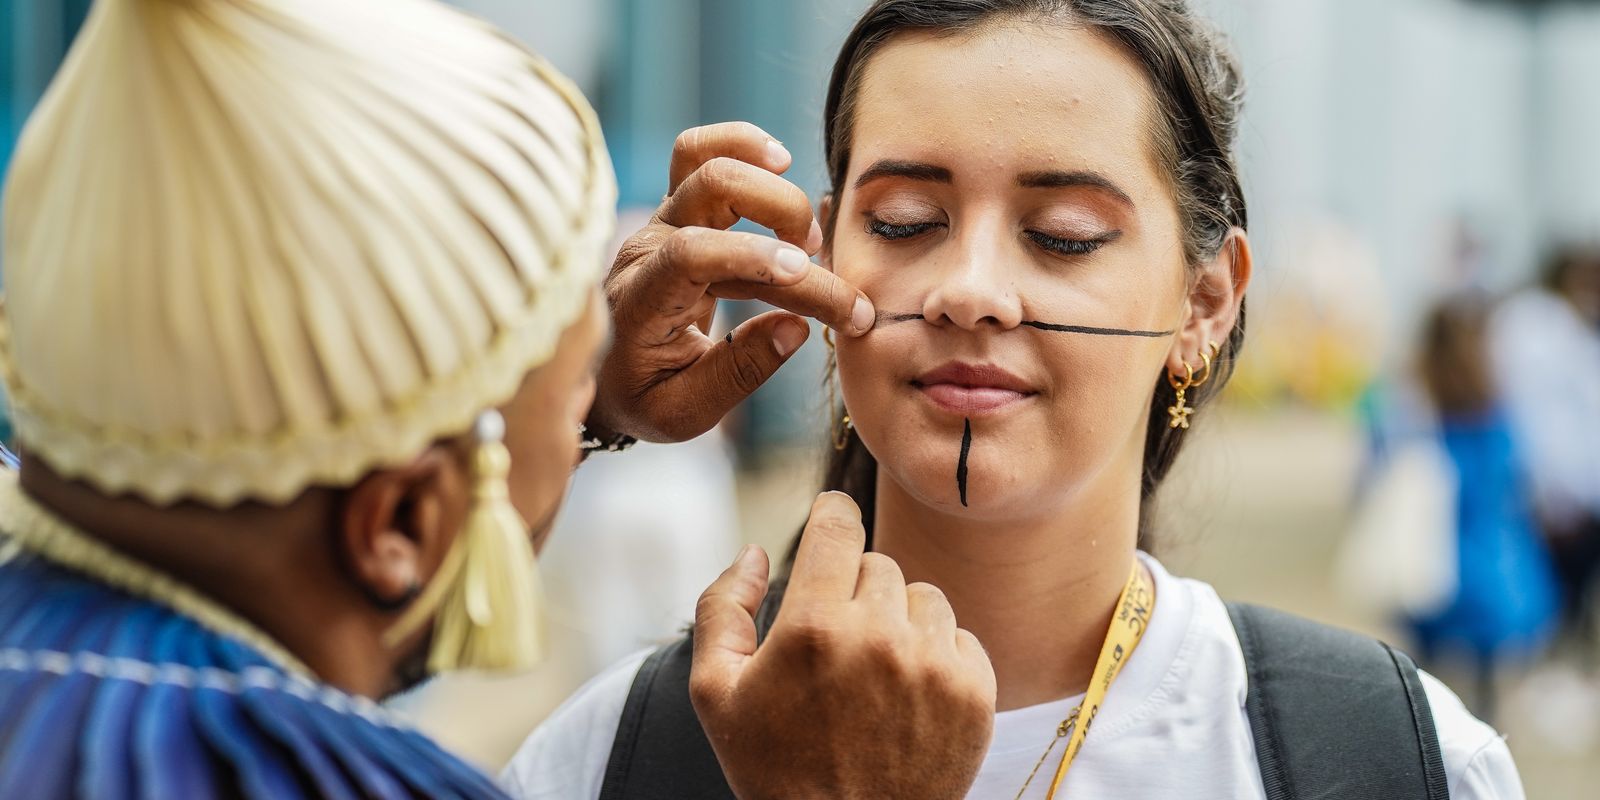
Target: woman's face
pixel 997 179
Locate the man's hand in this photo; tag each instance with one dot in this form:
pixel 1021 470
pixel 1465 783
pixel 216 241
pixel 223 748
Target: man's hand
pixel 664 378
pixel 863 688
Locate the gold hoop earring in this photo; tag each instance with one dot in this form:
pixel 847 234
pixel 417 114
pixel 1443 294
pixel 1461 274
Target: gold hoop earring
pixel 1209 359
pixel 1205 371
pixel 1180 411
pixel 840 430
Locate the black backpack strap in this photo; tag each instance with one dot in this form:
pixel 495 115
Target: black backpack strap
pixel 1335 714
pixel 660 750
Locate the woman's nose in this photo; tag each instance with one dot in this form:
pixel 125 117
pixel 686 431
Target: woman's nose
pixel 978 287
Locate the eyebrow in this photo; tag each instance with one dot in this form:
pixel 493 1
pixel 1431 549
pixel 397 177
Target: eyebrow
pixel 1053 179
pixel 1043 179
pixel 911 170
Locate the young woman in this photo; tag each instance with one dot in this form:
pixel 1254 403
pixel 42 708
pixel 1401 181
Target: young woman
pixel 1040 199
pixel 302 306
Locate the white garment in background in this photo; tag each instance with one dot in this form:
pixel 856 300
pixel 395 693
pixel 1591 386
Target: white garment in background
pixel 1173 725
pixel 1546 361
pixel 1400 558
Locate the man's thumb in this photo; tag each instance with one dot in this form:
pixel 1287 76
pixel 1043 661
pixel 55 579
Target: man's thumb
pixel 736 366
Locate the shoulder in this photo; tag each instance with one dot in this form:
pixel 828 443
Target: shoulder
pixel 1476 760
pixel 565 757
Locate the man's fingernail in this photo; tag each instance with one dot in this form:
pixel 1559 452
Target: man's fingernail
pixel 746 553
pixel 814 239
pixel 791 262
pixel 863 315
pixel 787 336
pixel 777 152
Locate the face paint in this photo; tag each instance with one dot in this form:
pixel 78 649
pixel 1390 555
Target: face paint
pixel 892 317
pixel 961 464
pixel 1051 326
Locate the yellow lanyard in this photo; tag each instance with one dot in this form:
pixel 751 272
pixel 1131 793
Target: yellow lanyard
pixel 1128 624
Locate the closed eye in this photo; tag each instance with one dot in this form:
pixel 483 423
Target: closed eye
pixel 1072 247
pixel 892 231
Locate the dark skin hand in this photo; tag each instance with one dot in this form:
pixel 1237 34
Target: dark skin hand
pixel 864 688
pixel 665 379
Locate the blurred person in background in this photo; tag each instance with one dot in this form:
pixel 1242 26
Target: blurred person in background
pixel 1505 601
pixel 302 311
pixel 1041 199
pixel 1544 347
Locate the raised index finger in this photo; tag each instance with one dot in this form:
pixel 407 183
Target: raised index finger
pixel 829 557
pixel 738 140
pixel 821 295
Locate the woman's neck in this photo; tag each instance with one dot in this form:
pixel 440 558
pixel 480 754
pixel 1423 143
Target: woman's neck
pixel 1038 593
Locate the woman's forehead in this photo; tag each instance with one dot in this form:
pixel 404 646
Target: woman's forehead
pixel 1003 99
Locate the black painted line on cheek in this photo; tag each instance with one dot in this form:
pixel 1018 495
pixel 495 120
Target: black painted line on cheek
pixel 892 317
pixel 1058 328
pixel 961 466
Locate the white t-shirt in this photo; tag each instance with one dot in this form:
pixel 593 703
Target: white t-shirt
pixel 1173 725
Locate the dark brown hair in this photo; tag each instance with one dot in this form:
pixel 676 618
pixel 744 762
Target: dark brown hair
pixel 1197 86
pixel 1451 360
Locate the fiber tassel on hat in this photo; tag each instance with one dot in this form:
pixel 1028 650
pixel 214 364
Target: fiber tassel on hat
pixel 490 605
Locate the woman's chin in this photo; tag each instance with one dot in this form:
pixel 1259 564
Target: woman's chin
pixel 975 493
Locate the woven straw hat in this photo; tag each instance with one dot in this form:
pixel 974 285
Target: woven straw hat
pixel 257 245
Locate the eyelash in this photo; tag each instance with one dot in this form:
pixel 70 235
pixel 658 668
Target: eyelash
pixel 890 231
pixel 1069 247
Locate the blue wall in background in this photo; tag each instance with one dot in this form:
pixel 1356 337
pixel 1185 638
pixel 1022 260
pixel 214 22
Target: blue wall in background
pixel 34 35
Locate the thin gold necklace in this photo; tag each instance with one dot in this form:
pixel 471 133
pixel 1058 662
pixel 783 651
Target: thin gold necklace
pixel 1129 619
pixel 1062 731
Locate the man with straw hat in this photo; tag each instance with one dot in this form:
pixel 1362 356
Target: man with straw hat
pixel 301 308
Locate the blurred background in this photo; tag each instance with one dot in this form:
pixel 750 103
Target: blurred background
pixel 1411 446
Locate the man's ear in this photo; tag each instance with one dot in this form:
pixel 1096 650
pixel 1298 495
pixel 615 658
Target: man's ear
pixel 1212 306
pixel 824 216
pixel 398 523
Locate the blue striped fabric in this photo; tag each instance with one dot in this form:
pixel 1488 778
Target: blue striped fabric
pixel 107 696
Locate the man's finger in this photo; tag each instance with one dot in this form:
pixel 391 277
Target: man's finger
pixel 930 613
pixel 725 190
pixel 829 556
pixel 732 368
pixel 881 584
pixel 821 295
pixel 666 292
pixel 724 620
pixel 740 140
pixel 975 661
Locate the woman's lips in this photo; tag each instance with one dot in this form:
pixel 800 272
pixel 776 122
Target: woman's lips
pixel 969 389
pixel 970 399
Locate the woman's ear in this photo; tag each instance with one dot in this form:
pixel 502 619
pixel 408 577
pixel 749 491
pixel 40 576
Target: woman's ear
pixel 1212 305
pixel 398 523
pixel 825 219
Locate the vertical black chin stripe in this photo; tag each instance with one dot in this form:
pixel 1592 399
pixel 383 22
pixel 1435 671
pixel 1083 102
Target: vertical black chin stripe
pixel 961 466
